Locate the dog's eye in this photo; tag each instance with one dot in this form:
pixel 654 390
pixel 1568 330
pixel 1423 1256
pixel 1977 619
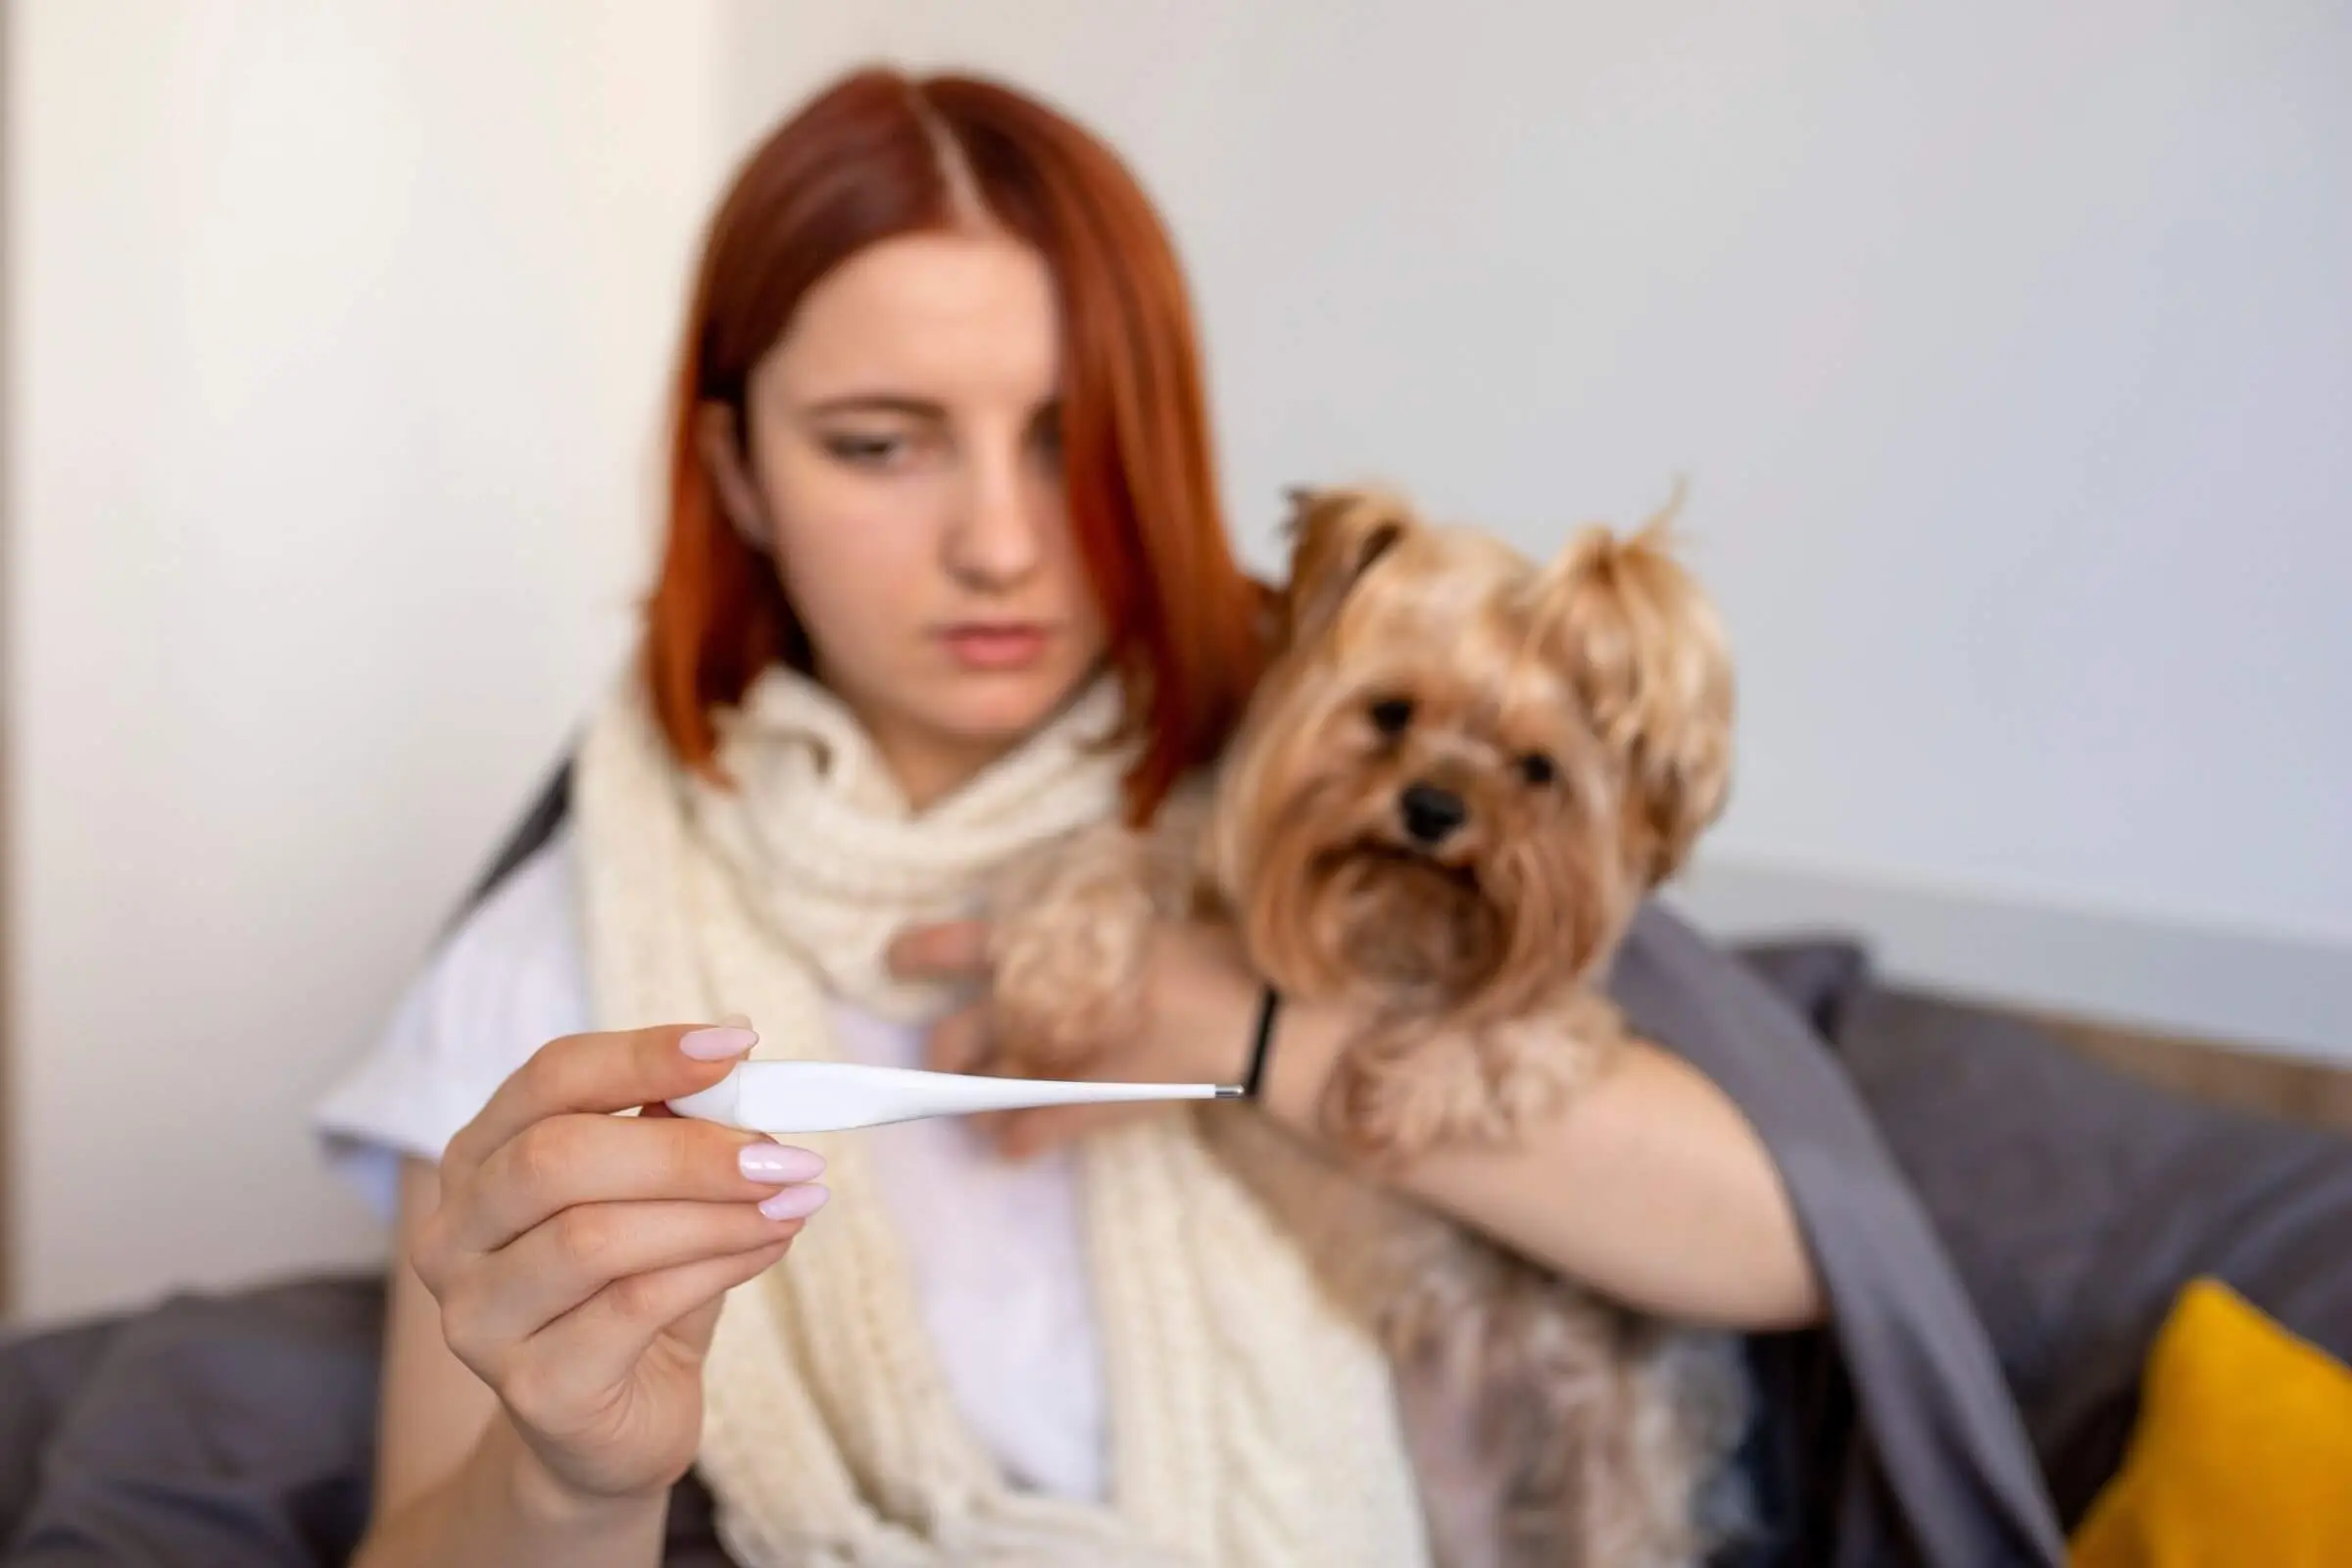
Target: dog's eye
pixel 1391 714
pixel 1537 769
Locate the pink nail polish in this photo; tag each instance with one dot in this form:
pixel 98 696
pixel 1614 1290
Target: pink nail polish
pixel 716 1045
pixel 795 1203
pixel 779 1163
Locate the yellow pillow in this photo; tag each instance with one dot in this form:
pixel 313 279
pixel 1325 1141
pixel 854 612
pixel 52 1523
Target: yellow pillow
pixel 2241 1455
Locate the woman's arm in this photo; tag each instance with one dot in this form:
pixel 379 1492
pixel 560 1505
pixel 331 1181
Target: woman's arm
pixel 1651 1188
pixel 454 1483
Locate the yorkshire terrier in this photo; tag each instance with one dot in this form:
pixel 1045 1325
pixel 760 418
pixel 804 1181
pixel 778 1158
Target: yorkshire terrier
pixel 1457 780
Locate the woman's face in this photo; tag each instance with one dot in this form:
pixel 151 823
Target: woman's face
pixel 904 467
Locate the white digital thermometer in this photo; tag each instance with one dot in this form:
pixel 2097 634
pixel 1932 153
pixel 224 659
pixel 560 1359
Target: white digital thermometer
pixel 826 1097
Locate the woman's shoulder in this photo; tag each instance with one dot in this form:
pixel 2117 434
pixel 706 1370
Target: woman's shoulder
pixel 520 936
pixel 508 977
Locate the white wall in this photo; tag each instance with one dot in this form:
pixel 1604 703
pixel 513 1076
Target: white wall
pixel 334 339
pixel 2008 348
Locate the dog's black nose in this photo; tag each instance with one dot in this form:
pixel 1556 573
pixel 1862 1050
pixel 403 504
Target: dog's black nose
pixel 1431 814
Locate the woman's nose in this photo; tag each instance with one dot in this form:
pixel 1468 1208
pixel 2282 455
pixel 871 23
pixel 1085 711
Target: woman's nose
pixel 995 538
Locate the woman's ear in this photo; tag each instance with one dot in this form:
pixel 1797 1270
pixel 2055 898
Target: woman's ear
pixel 719 437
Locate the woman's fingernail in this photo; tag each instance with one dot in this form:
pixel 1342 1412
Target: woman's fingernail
pixel 779 1162
pixel 795 1203
pixel 716 1045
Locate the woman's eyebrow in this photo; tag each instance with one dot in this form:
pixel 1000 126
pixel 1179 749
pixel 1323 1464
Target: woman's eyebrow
pixel 876 403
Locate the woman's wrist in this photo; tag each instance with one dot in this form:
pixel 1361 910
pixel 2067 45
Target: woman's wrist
pixel 503 1507
pixel 1209 1003
pixel 1306 1041
pixel 549 1506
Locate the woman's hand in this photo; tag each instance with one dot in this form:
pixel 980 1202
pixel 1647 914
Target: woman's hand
pixel 1199 1008
pixel 580 1259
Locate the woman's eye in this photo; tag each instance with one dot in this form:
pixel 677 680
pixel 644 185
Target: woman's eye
pixel 868 450
pixel 1391 714
pixel 1045 439
pixel 1537 769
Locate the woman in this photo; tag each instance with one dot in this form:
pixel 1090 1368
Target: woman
pixel 944 576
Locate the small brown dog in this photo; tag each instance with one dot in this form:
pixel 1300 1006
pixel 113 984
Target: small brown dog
pixel 1453 787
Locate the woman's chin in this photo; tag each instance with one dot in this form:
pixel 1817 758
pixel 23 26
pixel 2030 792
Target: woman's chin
pixel 1002 704
pixel 985 716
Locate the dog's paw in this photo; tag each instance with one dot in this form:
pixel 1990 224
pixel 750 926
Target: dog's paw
pixel 1040 1028
pixel 1399 1093
pixel 1514 1077
pixel 1066 955
pixel 1530 1078
pixel 1378 1109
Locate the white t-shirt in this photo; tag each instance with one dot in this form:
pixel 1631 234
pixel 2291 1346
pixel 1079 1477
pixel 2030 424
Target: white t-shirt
pixel 995 1249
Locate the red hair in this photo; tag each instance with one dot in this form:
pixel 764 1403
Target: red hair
pixel 863 163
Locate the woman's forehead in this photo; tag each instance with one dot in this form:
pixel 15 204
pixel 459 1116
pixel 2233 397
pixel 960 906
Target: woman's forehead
pixel 951 316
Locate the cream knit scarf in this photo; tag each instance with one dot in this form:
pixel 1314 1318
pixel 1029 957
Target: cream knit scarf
pixel 1250 1426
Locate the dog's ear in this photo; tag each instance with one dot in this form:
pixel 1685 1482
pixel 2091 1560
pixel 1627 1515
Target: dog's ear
pixel 1647 655
pixel 1335 538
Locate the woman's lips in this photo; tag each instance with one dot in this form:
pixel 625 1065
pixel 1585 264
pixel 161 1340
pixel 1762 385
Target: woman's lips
pixel 996 645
